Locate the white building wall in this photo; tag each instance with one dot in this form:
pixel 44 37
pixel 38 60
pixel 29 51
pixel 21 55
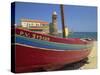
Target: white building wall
pixel 24 24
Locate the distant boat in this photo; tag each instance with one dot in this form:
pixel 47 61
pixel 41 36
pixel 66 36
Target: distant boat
pixel 37 50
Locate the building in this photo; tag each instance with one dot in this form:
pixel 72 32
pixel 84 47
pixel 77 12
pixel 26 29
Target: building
pixel 53 26
pixel 35 25
pixel 41 26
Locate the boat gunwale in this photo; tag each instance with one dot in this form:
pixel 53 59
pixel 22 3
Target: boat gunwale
pixel 39 33
pixel 46 35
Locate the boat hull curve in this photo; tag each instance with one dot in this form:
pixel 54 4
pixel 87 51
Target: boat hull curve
pixel 29 58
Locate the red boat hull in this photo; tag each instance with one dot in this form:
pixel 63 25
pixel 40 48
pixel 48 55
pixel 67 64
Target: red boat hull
pixel 30 58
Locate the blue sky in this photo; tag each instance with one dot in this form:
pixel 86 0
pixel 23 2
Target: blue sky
pixel 77 18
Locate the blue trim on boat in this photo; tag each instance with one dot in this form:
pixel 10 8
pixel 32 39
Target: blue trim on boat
pixel 49 45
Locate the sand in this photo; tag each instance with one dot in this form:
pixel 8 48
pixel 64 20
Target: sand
pixel 92 58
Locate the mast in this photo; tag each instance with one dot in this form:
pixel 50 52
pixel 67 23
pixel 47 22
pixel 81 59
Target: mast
pixel 63 21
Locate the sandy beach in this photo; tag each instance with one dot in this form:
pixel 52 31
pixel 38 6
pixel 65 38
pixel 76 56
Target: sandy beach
pixel 92 58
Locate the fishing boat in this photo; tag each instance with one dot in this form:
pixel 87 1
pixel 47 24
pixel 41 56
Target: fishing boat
pixel 36 50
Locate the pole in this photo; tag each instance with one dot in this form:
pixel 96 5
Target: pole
pixel 63 22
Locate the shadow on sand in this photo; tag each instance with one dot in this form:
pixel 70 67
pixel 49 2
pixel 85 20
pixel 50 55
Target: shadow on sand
pixel 76 65
pixel 72 66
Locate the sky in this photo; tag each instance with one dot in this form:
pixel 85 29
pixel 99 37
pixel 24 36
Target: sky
pixel 77 18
